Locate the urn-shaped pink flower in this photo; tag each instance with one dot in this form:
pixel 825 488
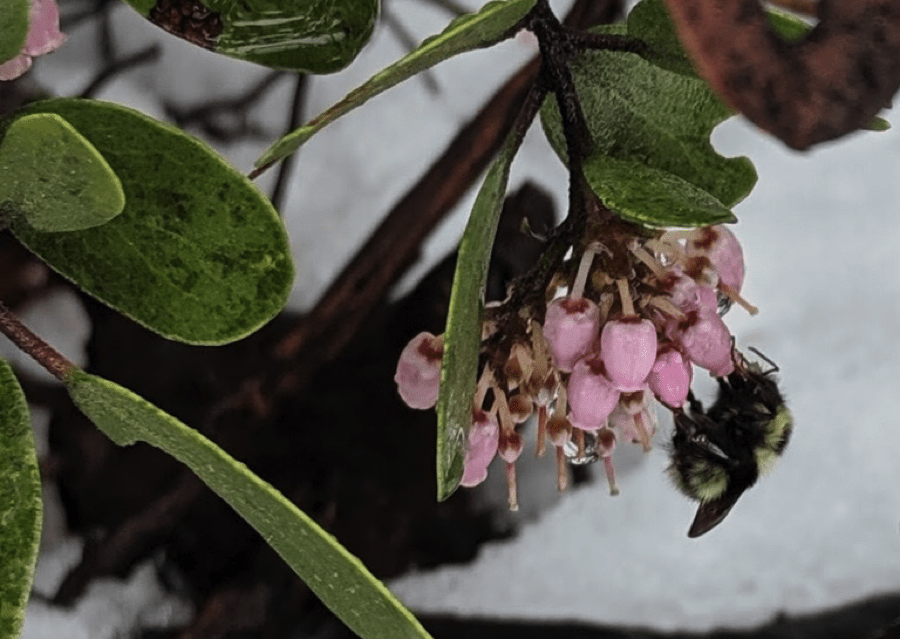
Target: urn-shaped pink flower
pixel 628 350
pixel 670 378
pixel 481 447
pixel 43 37
pixel 705 339
pixel 722 249
pixel 418 374
pixel 571 328
pixel 592 397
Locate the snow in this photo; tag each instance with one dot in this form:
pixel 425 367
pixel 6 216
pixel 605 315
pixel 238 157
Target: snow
pixel 821 238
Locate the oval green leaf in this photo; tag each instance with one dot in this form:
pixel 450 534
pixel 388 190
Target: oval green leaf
pixel 648 196
pixel 314 36
pixel 13 28
pixel 20 505
pixel 54 178
pixel 462 337
pixel 198 254
pixel 338 578
pixel 471 31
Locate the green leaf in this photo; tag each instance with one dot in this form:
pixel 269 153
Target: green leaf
pixel 54 177
pixel 13 28
pixel 338 578
pixel 641 194
pixel 879 125
pixel 788 26
pixel 198 255
pixel 315 36
pixel 465 33
pixel 641 114
pixel 20 505
pixel 649 21
pixel 462 338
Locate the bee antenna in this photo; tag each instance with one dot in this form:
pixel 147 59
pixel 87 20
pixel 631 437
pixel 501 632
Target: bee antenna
pixel 774 366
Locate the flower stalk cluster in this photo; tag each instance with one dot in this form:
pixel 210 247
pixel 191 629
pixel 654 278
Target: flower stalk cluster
pixel 626 332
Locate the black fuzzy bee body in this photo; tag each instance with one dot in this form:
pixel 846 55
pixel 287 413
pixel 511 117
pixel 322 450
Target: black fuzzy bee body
pixel 719 453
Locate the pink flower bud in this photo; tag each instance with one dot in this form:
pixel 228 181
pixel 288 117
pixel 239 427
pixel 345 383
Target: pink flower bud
pixel 722 248
pixel 418 374
pixel 706 341
pixel 592 397
pixel 628 350
pixel 670 379
pixel 43 37
pixel 571 327
pixel 481 447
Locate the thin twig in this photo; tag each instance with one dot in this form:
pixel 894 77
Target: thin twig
pixel 144 56
pixel 44 354
pixel 203 115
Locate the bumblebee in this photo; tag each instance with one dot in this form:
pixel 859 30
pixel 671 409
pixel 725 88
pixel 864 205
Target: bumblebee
pixel 719 453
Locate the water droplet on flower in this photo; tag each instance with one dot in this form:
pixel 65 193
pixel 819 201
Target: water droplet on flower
pixel 587 456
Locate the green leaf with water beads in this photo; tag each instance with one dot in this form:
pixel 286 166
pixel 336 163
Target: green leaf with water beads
pixel 462 338
pixel 338 578
pixel 20 505
pixel 314 36
pixel 471 31
pixel 198 255
pixel 13 28
pixel 54 178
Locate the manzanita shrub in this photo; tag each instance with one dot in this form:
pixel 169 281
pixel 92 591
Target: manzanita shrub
pixel 622 310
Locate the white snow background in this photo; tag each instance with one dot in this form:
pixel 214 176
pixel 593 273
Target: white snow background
pixel 821 236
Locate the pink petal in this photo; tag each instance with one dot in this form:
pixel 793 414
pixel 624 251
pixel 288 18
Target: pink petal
pixel 12 69
pixel 481 448
pixel 670 379
pixel 44 35
pixel 722 248
pixel 707 342
pixel 592 397
pixel 628 349
pixel 418 374
pixel 571 327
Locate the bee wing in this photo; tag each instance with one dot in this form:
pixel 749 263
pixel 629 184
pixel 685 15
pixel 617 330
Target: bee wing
pixel 711 513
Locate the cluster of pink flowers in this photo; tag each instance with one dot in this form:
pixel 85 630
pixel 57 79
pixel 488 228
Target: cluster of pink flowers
pixel 602 353
pixel 43 37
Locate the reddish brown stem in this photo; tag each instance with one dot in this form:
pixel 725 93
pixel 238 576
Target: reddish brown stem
pixel 44 354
